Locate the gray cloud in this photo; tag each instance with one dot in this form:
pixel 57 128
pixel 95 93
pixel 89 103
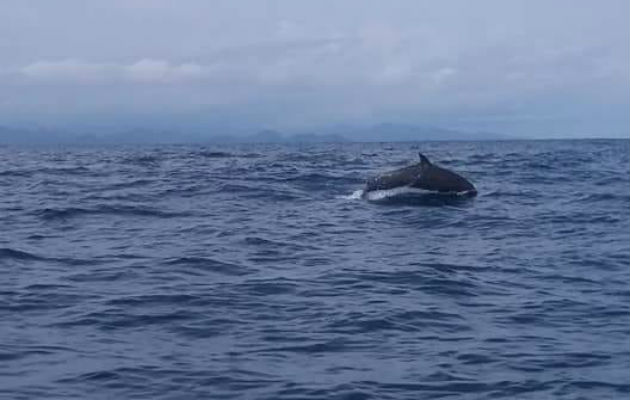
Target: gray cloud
pixel 307 64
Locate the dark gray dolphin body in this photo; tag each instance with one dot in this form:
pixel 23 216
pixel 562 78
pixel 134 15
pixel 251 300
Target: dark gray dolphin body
pixel 422 175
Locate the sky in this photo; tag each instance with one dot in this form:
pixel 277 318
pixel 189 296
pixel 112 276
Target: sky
pixel 532 68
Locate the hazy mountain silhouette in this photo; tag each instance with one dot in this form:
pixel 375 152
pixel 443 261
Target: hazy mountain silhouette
pixel 386 132
pixel 409 133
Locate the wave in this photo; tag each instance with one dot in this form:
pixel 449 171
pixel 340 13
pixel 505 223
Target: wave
pixel 12 254
pixel 16 172
pixel 62 171
pixel 323 178
pixel 214 154
pixel 143 160
pixel 247 191
pixel 51 214
pixel 209 265
pixel 603 197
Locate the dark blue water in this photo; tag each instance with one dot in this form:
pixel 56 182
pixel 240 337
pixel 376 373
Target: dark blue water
pixel 256 272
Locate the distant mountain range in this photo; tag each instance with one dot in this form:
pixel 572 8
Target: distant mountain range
pixel 389 132
pixel 386 132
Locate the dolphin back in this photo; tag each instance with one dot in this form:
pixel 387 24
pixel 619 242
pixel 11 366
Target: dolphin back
pixel 398 178
pixel 423 175
pixel 443 180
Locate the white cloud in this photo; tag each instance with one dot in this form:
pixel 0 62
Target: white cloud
pixel 145 70
pixel 68 70
pixel 148 70
pixel 443 74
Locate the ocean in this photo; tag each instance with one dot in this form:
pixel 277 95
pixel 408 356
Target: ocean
pixel 257 271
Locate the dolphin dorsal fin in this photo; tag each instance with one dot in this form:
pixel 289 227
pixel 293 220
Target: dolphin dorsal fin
pixel 424 160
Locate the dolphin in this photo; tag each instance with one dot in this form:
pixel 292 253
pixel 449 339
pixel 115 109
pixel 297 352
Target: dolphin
pixel 423 175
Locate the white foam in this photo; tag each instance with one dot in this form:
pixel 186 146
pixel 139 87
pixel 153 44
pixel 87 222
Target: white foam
pixel 356 195
pixel 377 195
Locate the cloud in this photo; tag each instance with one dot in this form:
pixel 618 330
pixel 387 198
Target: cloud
pixel 68 70
pixel 148 70
pixel 442 75
pixel 145 70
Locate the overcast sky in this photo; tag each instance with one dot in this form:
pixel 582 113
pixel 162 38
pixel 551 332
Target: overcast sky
pixel 536 68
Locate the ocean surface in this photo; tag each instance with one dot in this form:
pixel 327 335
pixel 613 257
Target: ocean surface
pixel 259 272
